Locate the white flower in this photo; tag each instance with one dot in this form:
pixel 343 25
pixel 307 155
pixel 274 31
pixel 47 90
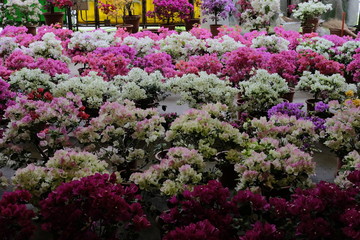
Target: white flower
pixel 28 80
pixel 181 46
pixel 197 90
pixel 89 41
pixel 222 45
pixel 272 43
pixel 144 46
pixel 91 88
pixel 311 9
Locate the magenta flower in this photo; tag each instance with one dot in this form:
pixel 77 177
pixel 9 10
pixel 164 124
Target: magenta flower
pixel 97 206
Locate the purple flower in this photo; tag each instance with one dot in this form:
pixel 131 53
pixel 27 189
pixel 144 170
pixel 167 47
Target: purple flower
pixel 321 107
pixel 289 109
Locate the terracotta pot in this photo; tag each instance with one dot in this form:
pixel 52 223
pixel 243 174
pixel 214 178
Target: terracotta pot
pixel 189 23
pixel 54 18
pixel 229 176
pixel 168 26
pixel 133 20
pixel 289 95
pixel 31 30
pixel 214 29
pixel 310 104
pixel 127 27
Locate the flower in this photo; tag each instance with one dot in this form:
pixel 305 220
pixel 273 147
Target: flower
pixel 202 130
pixel 168 10
pixel 92 89
pixel 195 90
pixel 181 169
pixel 256 14
pixel 324 87
pixel 25 12
pixel 121 133
pixel 310 9
pixel 16 219
pixel 64 166
pixel 261 91
pixel 76 207
pixel 217 8
pixel 141 87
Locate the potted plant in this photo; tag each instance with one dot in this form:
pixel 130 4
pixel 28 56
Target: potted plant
pixel 257 14
pixel 52 17
pixel 219 9
pixel 129 16
pixel 309 12
pixel 106 8
pixel 261 92
pixel 23 13
pixel 324 88
pixel 168 10
pixel 117 11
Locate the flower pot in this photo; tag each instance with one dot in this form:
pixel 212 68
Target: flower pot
pixel 189 23
pixel 168 26
pixel 31 30
pixel 310 104
pixel 133 20
pixel 54 18
pixel 127 27
pixel 310 25
pixel 107 22
pixel 335 31
pixel 214 29
pixel 289 95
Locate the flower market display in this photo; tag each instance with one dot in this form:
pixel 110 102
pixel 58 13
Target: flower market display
pixel 179 134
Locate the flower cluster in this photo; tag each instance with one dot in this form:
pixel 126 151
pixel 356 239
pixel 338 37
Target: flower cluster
pixel 168 10
pixel 181 46
pixel 274 167
pixel 7 97
pixel 342 130
pixel 27 80
pixel 203 131
pixel 64 166
pixel 272 43
pixel 217 8
pixel 121 133
pixel 351 163
pixel 38 127
pixel 241 62
pixel 323 87
pixel 141 87
pixel 262 91
pixel 286 129
pixel 26 12
pixel 95 206
pixel 256 14
pixel 180 169
pixel 82 42
pixel 16 219
pixel 311 9
pixel 92 89
pixel 197 90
